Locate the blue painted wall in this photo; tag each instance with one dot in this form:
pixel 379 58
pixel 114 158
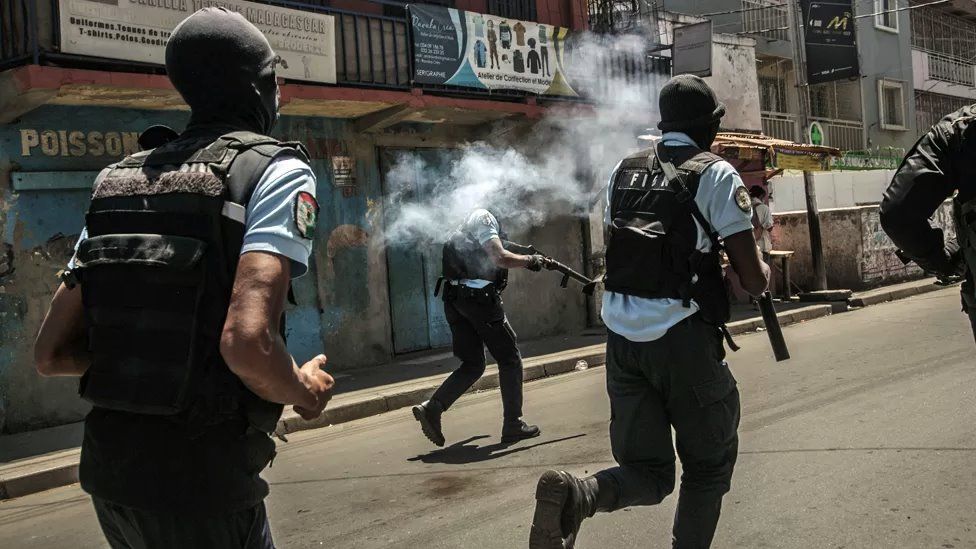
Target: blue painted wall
pixel 38 229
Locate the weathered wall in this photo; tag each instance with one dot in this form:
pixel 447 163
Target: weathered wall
pixel 837 189
pixel 343 304
pixel 857 252
pixel 733 78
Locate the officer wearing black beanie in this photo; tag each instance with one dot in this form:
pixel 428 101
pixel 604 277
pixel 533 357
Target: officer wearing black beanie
pixel 671 210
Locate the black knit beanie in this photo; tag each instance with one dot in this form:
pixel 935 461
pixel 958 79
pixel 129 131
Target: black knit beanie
pixel 687 102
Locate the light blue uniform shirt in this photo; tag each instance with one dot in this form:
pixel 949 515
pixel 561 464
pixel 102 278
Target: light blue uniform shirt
pixel 270 218
pixel 482 226
pixel 641 319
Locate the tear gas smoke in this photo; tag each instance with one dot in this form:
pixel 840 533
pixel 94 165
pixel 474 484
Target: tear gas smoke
pixel 558 166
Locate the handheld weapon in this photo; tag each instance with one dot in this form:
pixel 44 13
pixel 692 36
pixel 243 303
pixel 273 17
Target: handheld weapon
pixel 773 330
pixel 553 265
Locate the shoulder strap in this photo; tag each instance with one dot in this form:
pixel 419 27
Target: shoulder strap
pixel 685 196
pixel 253 154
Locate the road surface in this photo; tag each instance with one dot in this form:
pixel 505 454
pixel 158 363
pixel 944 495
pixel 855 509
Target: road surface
pixel 866 438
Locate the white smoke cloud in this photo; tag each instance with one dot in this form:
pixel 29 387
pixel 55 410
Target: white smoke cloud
pixel 558 167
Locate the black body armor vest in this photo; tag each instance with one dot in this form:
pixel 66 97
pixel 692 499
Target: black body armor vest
pixel 652 250
pixel 462 257
pixel 165 230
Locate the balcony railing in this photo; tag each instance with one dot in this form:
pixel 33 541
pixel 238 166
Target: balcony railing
pixel 846 135
pixel 18 32
pixel 779 125
pixel 766 18
pixel 953 71
pixel 842 134
pixel 372 50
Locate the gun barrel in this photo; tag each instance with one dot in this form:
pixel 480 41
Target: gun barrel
pixel 773 330
pixel 557 266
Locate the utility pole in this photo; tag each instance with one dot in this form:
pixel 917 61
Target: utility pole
pixel 802 91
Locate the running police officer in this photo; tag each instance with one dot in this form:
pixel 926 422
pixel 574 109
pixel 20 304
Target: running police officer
pixel 475 271
pixel 172 307
pixel 938 166
pixel 670 208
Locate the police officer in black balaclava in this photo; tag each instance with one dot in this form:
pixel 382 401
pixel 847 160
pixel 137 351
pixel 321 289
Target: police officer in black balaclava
pixel 939 166
pixel 671 210
pixel 172 307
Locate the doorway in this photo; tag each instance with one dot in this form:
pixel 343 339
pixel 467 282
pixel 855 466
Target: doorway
pixel 414 264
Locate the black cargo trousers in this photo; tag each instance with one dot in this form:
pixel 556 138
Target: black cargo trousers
pixel 477 320
pixel 680 380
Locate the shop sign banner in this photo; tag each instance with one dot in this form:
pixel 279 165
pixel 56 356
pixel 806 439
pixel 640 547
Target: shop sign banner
pixel 137 30
pixel 473 50
pixel 831 42
pixel 693 49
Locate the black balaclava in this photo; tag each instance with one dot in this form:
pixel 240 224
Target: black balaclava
pixel 224 68
pixel 703 136
pixel 689 105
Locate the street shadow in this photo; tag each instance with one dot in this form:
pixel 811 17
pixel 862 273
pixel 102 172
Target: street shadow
pixel 464 452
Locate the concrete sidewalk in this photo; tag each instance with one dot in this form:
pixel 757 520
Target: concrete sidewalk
pixel 47 458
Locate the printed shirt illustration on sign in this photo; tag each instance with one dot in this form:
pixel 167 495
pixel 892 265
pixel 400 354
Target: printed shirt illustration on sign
pixel 505 34
pixel 306 214
pixel 518 64
pixel 534 62
pixel 479 25
pixel 543 34
pixel 480 54
pixel 519 29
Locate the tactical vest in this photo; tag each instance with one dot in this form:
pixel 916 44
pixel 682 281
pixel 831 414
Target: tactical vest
pixel 652 250
pixel 165 231
pixel 464 258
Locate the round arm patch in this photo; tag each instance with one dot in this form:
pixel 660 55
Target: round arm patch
pixel 742 199
pixel 306 214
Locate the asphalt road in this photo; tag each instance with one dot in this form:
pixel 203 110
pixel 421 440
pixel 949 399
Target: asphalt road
pixel 866 438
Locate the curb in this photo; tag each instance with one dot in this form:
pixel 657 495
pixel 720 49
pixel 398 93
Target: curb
pixel 419 391
pixel 880 296
pixel 785 319
pixel 61 469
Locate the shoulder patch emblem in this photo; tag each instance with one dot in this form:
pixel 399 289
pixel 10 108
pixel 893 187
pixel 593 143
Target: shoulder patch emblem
pixel 306 214
pixel 742 199
pixel 486 219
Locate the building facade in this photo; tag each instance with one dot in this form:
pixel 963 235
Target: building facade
pixel 869 113
pixel 943 59
pixel 64 115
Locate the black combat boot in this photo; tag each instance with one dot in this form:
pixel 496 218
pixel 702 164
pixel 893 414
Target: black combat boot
pixel 514 431
pixel 562 501
pixel 429 416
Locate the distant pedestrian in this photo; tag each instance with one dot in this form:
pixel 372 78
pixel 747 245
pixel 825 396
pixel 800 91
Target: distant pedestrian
pixel 762 221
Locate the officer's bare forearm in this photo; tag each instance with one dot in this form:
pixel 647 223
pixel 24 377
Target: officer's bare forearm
pixel 513 261
pixel 503 258
pixel 251 343
pixel 61 347
pixel 266 368
pixel 747 263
